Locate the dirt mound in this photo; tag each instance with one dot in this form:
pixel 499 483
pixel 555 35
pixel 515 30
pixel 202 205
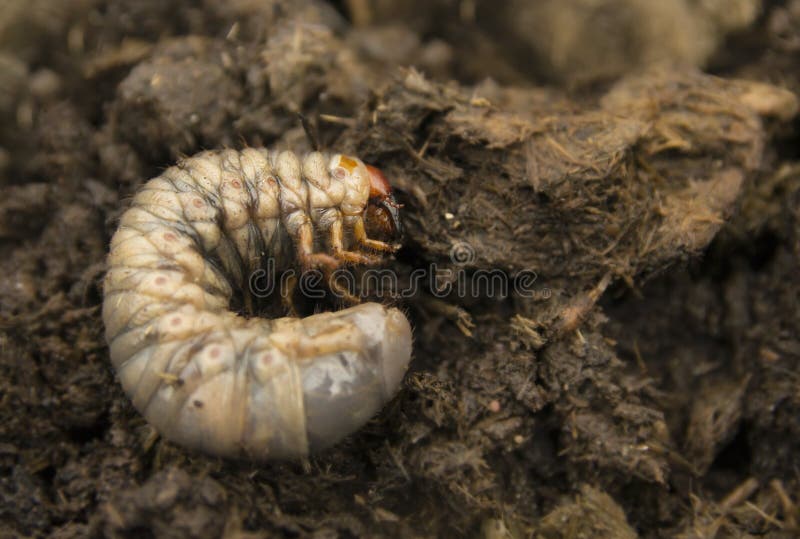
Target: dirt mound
pixel 607 333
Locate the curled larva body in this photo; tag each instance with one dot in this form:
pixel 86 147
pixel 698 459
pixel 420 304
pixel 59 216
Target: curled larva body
pixel 216 381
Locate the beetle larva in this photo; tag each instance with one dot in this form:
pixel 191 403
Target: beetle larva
pixel 224 383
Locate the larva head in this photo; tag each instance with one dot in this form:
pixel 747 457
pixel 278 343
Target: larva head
pixel 368 193
pixel 382 214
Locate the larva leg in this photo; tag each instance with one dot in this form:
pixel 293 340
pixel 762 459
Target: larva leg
pixel 337 246
pixel 308 259
pixel 288 286
pixel 305 250
pixel 248 304
pixel 340 291
pixel 336 240
pixel 360 235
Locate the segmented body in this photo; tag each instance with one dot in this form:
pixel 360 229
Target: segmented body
pixel 214 380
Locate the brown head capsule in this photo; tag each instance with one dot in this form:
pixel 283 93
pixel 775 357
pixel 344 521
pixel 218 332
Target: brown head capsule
pixel 211 379
pixel 382 214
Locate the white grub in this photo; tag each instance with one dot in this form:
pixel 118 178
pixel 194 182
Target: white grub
pixel 217 382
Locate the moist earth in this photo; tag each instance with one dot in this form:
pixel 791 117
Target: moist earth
pixel 621 186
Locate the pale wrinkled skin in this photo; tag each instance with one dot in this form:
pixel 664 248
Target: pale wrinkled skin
pixel 220 383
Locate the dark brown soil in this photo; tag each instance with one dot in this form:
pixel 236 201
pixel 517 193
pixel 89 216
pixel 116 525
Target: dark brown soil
pixel 648 386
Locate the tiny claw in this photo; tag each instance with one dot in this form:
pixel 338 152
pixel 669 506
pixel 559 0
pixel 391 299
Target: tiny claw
pixel 341 292
pixel 350 299
pixel 287 296
pixel 380 245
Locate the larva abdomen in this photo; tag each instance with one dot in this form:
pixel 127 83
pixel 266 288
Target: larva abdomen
pixel 214 380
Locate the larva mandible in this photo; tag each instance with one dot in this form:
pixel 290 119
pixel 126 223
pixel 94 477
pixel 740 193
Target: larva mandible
pixel 222 383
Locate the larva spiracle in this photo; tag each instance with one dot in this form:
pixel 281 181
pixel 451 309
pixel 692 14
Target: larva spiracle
pixel 216 381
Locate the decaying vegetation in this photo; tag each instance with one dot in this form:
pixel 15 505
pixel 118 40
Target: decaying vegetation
pixel 649 387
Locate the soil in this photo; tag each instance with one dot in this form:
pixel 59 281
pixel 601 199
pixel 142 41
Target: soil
pixel 637 185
